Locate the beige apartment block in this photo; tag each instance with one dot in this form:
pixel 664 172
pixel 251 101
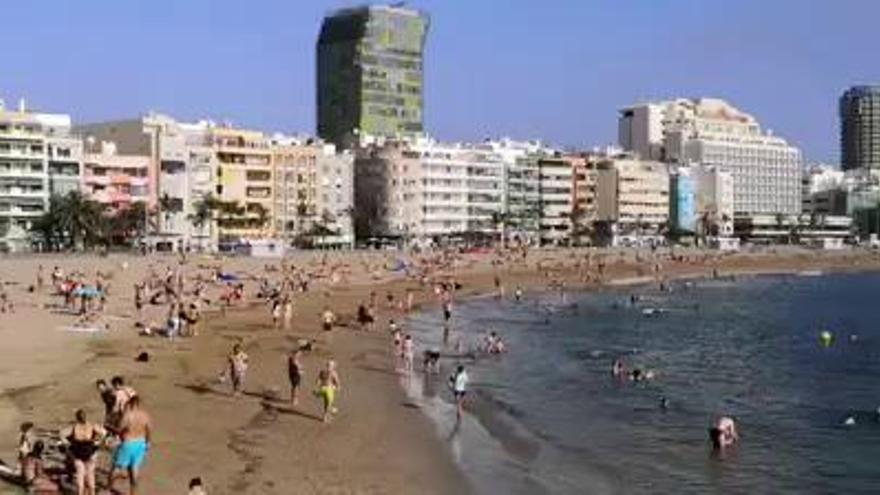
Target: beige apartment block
pixel 314 191
pixel 632 196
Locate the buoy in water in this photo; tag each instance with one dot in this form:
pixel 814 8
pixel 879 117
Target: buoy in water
pixel 825 338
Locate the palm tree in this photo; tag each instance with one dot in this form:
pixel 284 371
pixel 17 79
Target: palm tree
pixel 73 221
pixel 500 218
pixel 203 214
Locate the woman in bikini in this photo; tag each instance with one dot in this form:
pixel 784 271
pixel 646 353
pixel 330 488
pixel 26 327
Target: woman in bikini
pixel 83 442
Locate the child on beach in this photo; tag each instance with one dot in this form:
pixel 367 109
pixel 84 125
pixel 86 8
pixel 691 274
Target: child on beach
pixel 238 364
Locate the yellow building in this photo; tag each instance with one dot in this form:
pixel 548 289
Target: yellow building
pixel 245 179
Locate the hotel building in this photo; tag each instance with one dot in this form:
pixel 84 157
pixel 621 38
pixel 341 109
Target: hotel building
pixel 766 170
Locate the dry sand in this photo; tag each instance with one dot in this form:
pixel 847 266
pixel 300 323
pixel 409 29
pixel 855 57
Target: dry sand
pixel 378 443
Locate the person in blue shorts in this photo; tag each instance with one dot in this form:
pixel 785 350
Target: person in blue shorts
pixel 135 432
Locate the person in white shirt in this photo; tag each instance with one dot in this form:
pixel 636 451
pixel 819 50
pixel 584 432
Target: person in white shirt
pixel 459 389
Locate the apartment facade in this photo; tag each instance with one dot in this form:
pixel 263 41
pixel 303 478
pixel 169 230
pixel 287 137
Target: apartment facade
pixel 114 180
pixel 244 178
pixel 860 128
pixel 557 195
pixel 370 73
pixel 423 189
pixel 765 168
pixel 632 200
pixel 714 200
pixel 37 157
pixel 314 191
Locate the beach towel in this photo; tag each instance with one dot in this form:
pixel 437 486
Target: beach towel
pixel 77 329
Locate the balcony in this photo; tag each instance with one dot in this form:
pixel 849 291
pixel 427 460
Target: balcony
pixel 19 192
pixel 102 180
pixel 21 172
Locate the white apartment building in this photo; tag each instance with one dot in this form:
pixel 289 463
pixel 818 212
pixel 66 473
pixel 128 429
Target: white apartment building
pixel 422 189
pixel 766 169
pixel 37 157
pixel 825 190
pixel 556 188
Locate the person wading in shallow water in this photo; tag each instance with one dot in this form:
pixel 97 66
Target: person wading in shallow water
pixel 459 384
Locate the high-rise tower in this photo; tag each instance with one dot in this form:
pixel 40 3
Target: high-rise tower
pixel 370 73
pixel 860 128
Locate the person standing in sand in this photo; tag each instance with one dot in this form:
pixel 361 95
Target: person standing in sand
pixel 294 374
pixel 238 364
pixel 135 431
pixel 288 310
pixel 83 441
pixel 327 319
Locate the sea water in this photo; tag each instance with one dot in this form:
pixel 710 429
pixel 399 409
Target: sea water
pixel 548 417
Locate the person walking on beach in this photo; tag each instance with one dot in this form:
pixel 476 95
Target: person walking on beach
pixel 288 311
pixel 238 364
pixel 408 353
pixel 276 312
pixel 135 431
pixel 294 374
pixel 459 382
pixel 83 442
pixel 123 394
pixel 328 385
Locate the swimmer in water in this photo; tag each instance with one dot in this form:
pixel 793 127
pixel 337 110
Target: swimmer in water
pixel 617 368
pixel 723 434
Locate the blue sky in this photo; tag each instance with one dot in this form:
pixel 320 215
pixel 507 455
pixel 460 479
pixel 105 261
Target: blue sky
pixel 551 69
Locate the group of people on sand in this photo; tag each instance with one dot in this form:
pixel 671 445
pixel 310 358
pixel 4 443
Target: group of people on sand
pixel 183 308
pixel 126 431
pixel 327 386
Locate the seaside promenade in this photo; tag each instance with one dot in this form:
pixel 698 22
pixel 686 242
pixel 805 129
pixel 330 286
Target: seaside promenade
pixel 258 442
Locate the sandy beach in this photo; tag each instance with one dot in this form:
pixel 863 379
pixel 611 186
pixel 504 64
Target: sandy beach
pixel 379 442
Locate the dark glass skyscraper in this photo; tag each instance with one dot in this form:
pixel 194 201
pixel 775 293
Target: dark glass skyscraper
pixel 860 128
pixel 370 73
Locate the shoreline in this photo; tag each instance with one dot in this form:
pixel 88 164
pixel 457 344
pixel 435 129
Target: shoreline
pixel 378 444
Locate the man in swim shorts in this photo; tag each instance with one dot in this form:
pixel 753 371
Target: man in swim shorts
pixel 135 432
pixel 328 384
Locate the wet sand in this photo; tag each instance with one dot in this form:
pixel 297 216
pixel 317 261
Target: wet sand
pixel 378 443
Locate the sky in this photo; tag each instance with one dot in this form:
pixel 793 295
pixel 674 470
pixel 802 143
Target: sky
pixel 555 70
